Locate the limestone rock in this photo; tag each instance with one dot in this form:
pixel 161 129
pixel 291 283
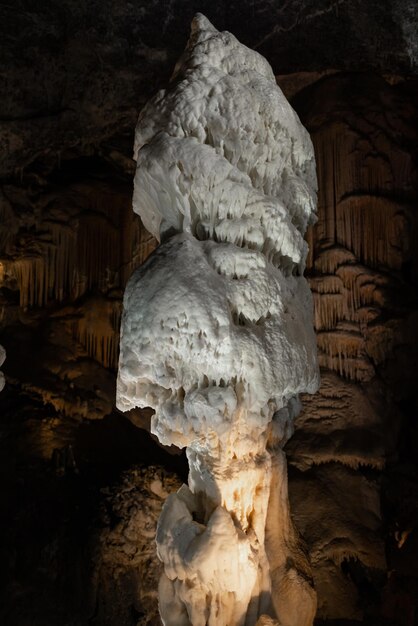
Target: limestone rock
pixel 216 333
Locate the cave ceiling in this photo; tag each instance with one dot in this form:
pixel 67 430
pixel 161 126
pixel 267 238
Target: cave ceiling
pixel 76 73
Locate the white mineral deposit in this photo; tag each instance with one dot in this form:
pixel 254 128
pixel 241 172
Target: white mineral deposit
pixel 217 330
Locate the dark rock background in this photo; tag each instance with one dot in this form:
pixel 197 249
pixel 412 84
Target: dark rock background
pixel 80 481
pixel 75 73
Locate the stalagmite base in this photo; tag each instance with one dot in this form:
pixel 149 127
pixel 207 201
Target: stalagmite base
pixel 245 558
pixel 217 332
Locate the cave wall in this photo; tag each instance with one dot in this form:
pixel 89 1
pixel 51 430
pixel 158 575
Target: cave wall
pixel 74 471
pixel 363 273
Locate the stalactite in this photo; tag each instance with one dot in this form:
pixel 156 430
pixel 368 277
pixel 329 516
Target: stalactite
pixel 50 275
pixel 360 237
pixel 360 256
pixel 136 245
pixel 329 303
pixel 30 275
pixel 96 328
pixel 354 294
pixel 343 350
pixel 329 309
pixel 328 260
pixel 362 286
pixel 61 259
pixel 88 240
pixel 97 251
pixel 352 162
pixel 373 228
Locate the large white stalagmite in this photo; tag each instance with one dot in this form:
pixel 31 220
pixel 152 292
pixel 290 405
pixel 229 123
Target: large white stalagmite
pixel 217 331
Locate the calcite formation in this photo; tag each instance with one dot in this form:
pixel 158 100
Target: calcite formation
pixel 76 239
pixel 217 330
pixel 360 266
pixel 362 240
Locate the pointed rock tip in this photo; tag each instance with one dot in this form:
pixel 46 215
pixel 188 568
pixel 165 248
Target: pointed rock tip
pixel 200 23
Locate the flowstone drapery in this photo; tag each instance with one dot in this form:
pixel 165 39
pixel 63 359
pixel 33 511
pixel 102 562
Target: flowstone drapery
pixel 217 332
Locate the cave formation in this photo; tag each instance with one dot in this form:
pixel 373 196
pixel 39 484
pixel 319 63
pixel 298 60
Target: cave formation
pixel 217 330
pixel 83 484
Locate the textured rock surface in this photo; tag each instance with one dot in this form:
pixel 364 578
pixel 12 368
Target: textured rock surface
pixel 68 245
pixel 343 531
pixel 216 333
pixel 363 272
pixel 128 568
pixel 100 64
